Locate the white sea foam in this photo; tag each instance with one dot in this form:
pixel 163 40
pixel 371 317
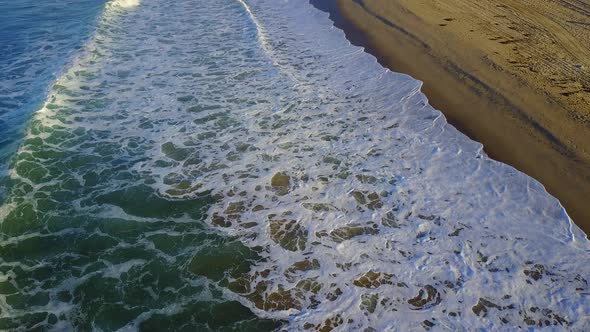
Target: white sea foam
pixel 115 271
pixel 438 227
pixel 126 3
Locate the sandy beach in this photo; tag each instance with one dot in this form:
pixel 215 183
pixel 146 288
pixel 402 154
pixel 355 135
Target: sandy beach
pixel 512 74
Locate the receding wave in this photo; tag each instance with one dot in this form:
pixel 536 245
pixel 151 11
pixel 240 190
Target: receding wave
pixel 239 165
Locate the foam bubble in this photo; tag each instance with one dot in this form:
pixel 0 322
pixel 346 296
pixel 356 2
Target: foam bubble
pixel 126 3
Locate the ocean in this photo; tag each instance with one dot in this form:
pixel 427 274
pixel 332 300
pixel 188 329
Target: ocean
pixel 238 165
pixel 37 39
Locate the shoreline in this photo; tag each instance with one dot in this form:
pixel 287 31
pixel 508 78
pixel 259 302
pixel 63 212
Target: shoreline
pixel 518 124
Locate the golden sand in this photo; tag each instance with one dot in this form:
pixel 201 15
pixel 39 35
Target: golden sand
pixel 512 74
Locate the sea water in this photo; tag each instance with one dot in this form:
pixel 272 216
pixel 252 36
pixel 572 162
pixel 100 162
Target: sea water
pixel 37 38
pixel 238 165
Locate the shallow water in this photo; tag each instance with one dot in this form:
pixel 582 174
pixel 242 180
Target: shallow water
pixel 232 165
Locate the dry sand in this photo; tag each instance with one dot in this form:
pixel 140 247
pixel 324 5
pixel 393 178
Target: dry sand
pixel 512 74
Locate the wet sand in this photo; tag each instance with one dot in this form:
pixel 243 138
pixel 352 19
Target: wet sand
pixel 512 74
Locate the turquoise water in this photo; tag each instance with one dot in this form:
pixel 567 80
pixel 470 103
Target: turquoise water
pixel 239 166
